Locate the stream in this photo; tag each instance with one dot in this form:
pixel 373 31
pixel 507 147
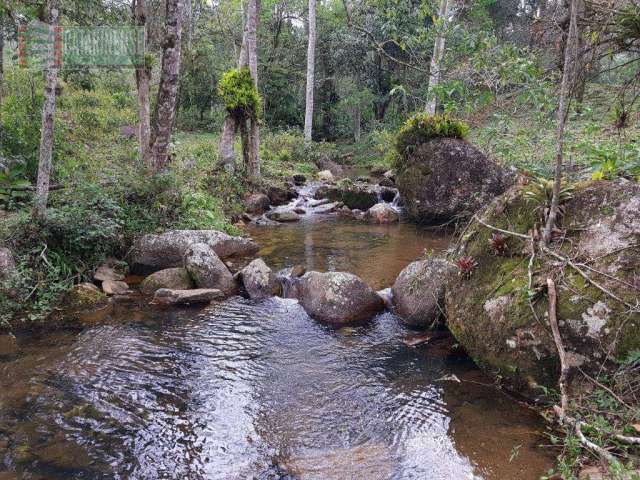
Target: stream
pixel 257 390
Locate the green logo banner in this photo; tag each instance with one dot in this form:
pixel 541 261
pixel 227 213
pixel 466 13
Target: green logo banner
pixel 42 46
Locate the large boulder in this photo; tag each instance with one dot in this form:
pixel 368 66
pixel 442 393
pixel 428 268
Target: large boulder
pixel 337 297
pixel 447 178
pixel 382 213
pixel 207 270
pixel 488 306
pixel 171 278
pixel 166 296
pixel 156 252
pixel 418 292
pixel 259 280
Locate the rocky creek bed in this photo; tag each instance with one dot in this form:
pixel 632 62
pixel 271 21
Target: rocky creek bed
pixel 257 389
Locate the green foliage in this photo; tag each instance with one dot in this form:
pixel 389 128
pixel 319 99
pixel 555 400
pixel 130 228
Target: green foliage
pixel 239 94
pixel 421 128
pixel 13 186
pixel 201 210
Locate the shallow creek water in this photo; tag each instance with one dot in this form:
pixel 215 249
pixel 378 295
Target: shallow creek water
pixel 245 389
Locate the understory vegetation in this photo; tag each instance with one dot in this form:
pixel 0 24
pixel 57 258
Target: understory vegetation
pixel 497 86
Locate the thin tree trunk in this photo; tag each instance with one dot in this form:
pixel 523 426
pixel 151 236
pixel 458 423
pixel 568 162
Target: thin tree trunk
pixel 357 119
pixel 169 82
pixel 253 167
pixel 225 148
pixel 563 110
pixel 143 80
pixel 311 56
pixel 48 116
pixel 436 57
pixel 1 55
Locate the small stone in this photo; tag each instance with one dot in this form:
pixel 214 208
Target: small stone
pixel 165 296
pixel 113 287
pixel 300 211
pixel 104 272
pixel 172 278
pixel 326 176
pixel 382 214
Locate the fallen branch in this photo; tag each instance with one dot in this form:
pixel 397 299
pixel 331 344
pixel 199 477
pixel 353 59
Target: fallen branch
pixel 555 330
pixel 507 232
pixel 629 440
pixel 590 445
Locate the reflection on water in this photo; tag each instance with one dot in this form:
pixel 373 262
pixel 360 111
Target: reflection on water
pixel 243 390
pixel 376 253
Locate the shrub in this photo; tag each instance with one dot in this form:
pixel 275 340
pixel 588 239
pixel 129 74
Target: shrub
pixel 239 94
pixel 422 127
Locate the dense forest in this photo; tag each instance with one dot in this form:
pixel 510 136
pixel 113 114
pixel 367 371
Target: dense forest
pixel 475 163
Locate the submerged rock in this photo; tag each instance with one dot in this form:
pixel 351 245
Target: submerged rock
pixel 172 278
pixel 259 280
pixel 207 270
pixel 166 296
pixel 157 252
pixel 489 311
pixel 382 213
pixel 337 297
pixel 283 217
pixel 447 178
pixel 355 195
pixel 418 292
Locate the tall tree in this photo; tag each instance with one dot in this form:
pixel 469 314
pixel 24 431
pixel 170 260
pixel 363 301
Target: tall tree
pixel 249 127
pixel 169 82
pixel 143 80
pixel 311 58
pixel 438 54
pixel 566 89
pixel 48 115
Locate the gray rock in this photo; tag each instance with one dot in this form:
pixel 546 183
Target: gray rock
pixel 418 292
pixel 326 176
pixel 259 280
pixel 337 297
pixel 382 213
pixel 283 217
pixel 257 203
pixel 105 272
pixel 114 287
pixel 299 179
pixel 157 252
pixel 281 195
pixel 207 270
pixel 171 278
pixel 448 178
pixel 166 296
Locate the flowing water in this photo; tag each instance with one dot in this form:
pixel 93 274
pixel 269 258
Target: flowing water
pixel 258 390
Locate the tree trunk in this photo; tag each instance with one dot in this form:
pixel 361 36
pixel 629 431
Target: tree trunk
pixel 253 14
pixel 357 119
pixel 563 110
pixel 1 55
pixel 169 82
pixel 48 116
pixel 225 148
pixel 436 57
pixel 143 80
pixel 311 55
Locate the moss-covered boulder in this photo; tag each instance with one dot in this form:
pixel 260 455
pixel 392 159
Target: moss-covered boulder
pixel 172 278
pixel 447 178
pixel 491 304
